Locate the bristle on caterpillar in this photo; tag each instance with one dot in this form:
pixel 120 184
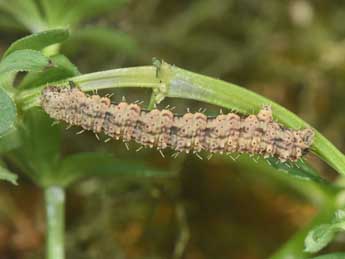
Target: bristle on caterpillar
pixel 190 132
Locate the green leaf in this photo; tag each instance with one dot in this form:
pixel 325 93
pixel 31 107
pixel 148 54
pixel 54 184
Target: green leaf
pixel 8 176
pixel 54 10
pixel 39 153
pixel 38 41
pixel 26 12
pixel 6 81
pixel 331 256
pixel 62 69
pixel 8 23
pixel 24 60
pixel 299 169
pixel 80 165
pixel 7 112
pixel 57 14
pixel 79 10
pixel 318 238
pixel 105 39
pixel 294 247
pixel 322 235
pixel 9 141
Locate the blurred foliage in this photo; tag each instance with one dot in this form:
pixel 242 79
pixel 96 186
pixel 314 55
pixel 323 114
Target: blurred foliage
pixel 322 235
pixel 290 51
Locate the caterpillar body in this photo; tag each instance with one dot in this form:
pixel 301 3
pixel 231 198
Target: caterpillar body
pixel 190 132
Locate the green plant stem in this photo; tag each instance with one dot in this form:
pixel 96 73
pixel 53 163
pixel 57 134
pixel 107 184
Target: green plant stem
pixel 294 248
pixel 152 102
pixel 55 218
pixel 123 77
pixel 180 83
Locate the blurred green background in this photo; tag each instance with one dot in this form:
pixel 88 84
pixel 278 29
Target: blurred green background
pixel 292 52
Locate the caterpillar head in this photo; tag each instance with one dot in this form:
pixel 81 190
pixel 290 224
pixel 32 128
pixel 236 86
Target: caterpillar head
pixel 307 136
pixel 51 97
pixel 304 138
pixel 49 92
pixel 265 114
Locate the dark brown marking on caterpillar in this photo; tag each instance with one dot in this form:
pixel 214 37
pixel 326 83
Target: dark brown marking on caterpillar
pixel 190 132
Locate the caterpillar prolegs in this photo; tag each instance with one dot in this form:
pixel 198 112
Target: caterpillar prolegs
pixel 190 132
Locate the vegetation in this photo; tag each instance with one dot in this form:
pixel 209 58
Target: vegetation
pixel 103 177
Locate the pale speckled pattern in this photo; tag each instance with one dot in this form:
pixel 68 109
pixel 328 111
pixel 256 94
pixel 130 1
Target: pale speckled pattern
pixel 191 132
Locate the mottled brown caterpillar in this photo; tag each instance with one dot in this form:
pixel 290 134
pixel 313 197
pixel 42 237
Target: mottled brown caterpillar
pixel 190 132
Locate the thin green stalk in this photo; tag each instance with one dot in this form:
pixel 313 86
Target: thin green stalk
pixel 179 83
pixel 152 102
pixel 55 218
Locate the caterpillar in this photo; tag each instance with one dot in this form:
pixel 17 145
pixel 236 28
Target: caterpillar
pixel 190 132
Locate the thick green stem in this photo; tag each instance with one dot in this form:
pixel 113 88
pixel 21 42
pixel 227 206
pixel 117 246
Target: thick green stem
pixel 176 82
pixel 55 218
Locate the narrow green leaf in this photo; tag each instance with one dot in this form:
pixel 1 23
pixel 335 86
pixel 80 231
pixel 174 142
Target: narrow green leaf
pixel 24 60
pixel 8 176
pixel 331 256
pixel 62 69
pixel 322 235
pixel 38 41
pixel 54 11
pixel 7 112
pixel 39 153
pixel 318 238
pixel 79 10
pixel 26 12
pixel 57 14
pixel 299 169
pixel 80 165
pixel 294 247
pixel 105 39
pixel 8 23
